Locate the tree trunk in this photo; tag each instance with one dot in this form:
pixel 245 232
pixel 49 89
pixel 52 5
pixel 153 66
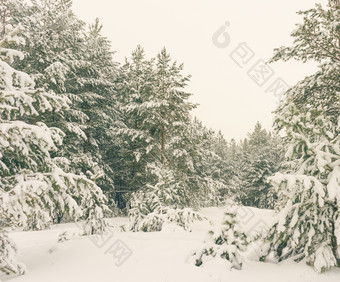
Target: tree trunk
pixel 163 145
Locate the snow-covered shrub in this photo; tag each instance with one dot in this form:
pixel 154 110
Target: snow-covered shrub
pixel 156 220
pixel 38 220
pixel 94 218
pixel 36 199
pixel 64 236
pixel 8 263
pixel 225 242
pixel 161 204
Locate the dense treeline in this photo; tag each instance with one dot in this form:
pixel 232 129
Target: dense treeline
pixel 126 122
pixel 83 137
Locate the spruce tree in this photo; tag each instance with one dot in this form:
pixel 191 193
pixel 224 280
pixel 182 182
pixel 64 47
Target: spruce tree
pixel 135 146
pixel 225 241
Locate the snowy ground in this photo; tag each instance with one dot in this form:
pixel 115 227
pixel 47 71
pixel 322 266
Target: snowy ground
pixel 155 257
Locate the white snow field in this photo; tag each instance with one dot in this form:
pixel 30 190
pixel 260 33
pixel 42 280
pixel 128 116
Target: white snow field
pixel 156 256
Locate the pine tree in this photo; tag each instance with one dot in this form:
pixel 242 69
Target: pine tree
pixel 218 166
pixel 235 164
pixel 206 176
pixel 309 194
pixel 65 57
pixel 98 102
pixel 151 133
pixel 135 146
pixel 34 190
pixel 264 155
pixel 54 42
pixel 226 241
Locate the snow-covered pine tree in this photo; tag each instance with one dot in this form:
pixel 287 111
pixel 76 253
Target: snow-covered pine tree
pixel 54 39
pixel 156 117
pixel 156 112
pixel 225 242
pixel 204 174
pixel 64 57
pixel 237 164
pixel 309 194
pixel 13 102
pixel 34 190
pixel 264 154
pixel 171 111
pixel 136 145
pixel 222 170
pixel 98 102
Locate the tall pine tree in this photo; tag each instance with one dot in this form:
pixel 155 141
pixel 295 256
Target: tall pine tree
pixel 34 189
pixel 309 195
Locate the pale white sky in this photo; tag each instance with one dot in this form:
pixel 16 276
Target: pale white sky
pixel 229 100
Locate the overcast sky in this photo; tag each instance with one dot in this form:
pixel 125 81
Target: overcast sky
pixel 229 99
